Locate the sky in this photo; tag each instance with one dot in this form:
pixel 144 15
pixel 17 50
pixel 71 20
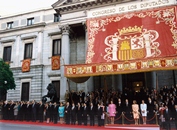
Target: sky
pixel 10 7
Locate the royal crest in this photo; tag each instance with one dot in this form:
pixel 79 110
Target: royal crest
pixel 131 43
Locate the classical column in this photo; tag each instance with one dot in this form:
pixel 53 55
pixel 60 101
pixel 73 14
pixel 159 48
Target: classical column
pixel 39 51
pixel 65 59
pixel 113 82
pixel 86 38
pixel 119 82
pixel 153 79
pixel 17 63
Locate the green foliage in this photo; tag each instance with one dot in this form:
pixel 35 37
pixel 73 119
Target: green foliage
pixel 6 76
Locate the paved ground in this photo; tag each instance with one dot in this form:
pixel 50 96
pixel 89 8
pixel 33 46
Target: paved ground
pixel 9 126
pixel 16 125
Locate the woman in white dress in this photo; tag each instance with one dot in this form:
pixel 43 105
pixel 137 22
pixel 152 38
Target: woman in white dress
pixel 143 107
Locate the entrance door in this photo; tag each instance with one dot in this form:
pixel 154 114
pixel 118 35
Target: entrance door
pixel 134 81
pixel 25 91
pixel 57 87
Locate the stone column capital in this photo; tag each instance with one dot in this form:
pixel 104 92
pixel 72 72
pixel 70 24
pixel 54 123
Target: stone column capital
pixel 64 28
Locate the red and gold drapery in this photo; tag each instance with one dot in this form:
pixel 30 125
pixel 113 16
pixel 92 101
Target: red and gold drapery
pixel 26 65
pixel 132 42
pixel 55 62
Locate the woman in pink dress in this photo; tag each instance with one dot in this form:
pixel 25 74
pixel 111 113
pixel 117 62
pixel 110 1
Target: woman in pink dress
pixel 135 109
pixel 112 111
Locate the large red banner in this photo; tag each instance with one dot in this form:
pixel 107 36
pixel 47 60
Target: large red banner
pixel 128 43
pixel 133 36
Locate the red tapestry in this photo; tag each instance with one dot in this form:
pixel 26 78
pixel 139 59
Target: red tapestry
pixel 26 65
pixel 55 62
pixel 133 36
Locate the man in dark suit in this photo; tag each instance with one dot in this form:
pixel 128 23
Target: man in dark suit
pixel 34 107
pixel 167 117
pixel 92 114
pixel 73 114
pixel 67 113
pixel 41 111
pixel 175 116
pixel 99 113
pixel 150 110
pixel 127 111
pixel 119 108
pixel 28 111
pixel 85 113
pixel 50 111
pixel 5 110
pixel 79 113
pixel 55 113
pixel 11 110
pixel 23 109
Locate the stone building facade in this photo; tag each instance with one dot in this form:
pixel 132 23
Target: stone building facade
pixel 59 30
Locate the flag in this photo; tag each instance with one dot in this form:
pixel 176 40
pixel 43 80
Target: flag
pixel 26 65
pixel 55 62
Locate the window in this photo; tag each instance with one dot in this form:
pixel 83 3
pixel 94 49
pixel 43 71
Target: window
pixel 56 47
pixel 25 91
pixel 56 17
pixel 9 25
pixel 7 53
pixel 30 21
pixel 28 51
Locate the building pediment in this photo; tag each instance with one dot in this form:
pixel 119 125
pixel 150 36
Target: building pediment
pixel 66 6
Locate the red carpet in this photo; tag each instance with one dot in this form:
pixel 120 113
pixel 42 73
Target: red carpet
pixel 134 127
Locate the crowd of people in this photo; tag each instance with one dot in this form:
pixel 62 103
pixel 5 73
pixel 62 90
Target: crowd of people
pixel 147 106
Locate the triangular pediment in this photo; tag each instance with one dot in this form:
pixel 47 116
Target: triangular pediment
pixel 59 3
pixel 65 3
pixel 68 6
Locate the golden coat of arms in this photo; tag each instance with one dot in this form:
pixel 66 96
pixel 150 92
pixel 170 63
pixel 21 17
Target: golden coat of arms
pixel 131 43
